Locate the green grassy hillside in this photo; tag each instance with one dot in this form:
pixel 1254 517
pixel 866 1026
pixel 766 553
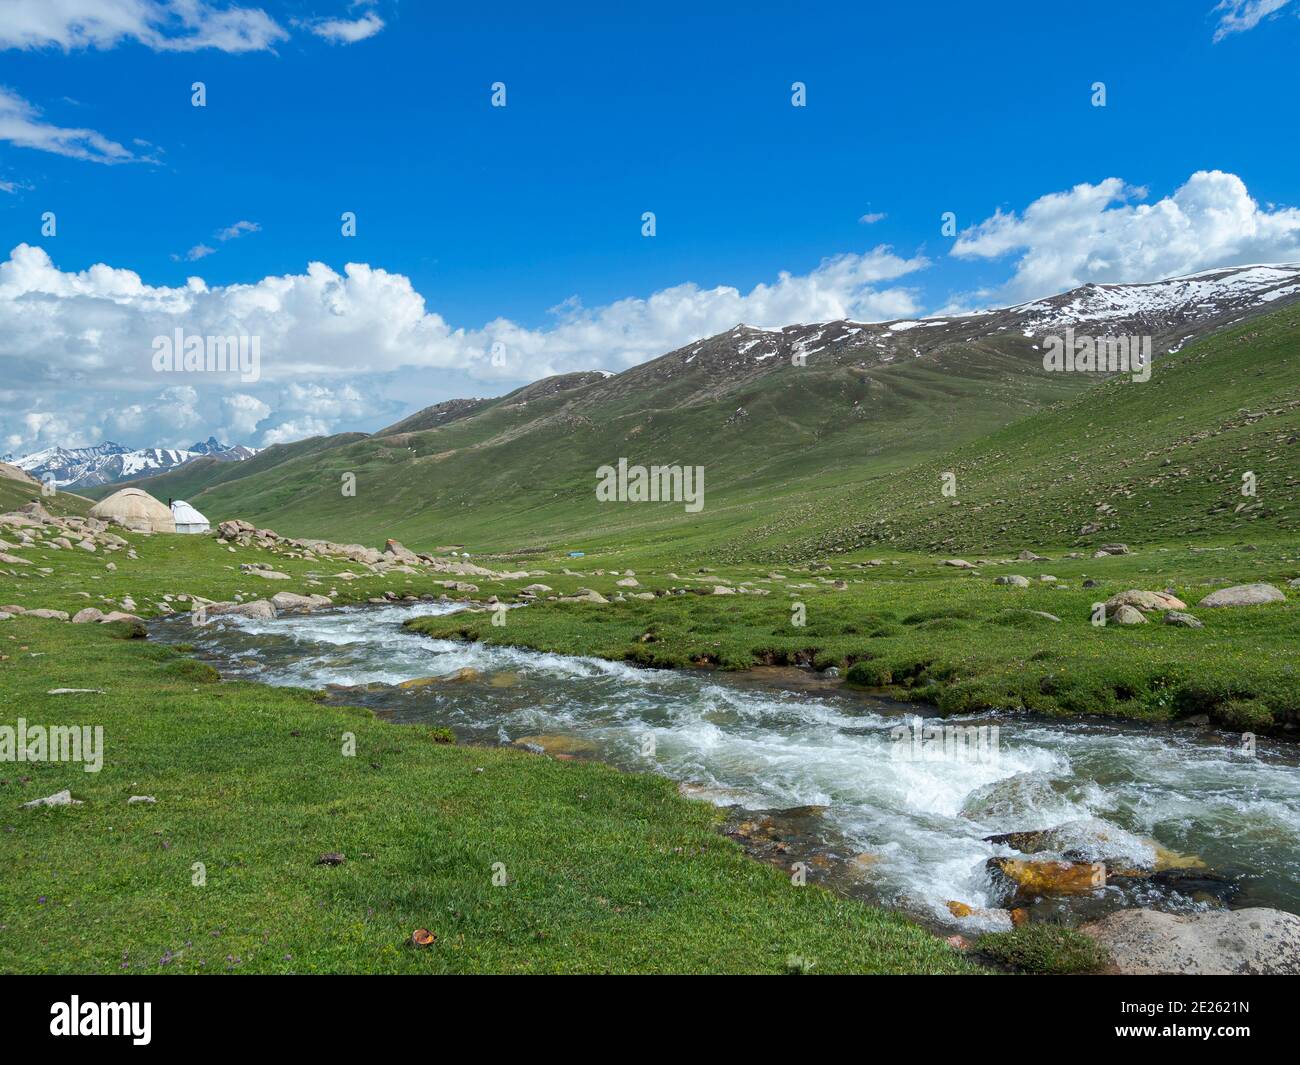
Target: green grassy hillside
pixel 1127 460
pixel 14 494
pixel 520 472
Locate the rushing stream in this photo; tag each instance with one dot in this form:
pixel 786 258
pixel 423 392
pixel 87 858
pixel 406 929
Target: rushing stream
pixel 906 831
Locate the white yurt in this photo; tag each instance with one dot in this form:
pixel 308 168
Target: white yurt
pixel 188 520
pixel 136 510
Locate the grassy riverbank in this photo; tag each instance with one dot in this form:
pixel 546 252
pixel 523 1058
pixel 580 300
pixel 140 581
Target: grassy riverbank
pixel 605 871
pixel 952 637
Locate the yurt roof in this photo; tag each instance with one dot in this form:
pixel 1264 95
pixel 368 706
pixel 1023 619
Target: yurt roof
pixel 136 508
pixel 186 514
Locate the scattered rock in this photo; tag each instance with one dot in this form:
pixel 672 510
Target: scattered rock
pixel 53 615
pixel 59 798
pixel 1244 595
pixel 1146 601
pixel 958 563
pixel 1013 580
pixel 1128 615
pixel 1185 621
pixel 135 800
pixel 90 613
pixel 332 858
pixel 76 691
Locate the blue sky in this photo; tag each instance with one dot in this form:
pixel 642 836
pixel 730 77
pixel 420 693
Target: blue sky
pixel 531 213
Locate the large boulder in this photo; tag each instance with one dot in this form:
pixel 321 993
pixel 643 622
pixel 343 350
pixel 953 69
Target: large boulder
pixel 1244 595
pixel 293 601
pixel 257 608
pixel 1145 601
pixel 1220 943
pixel 394 550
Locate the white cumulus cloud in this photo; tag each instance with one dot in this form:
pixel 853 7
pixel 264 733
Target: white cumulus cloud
pixel 21 124
pixel 345 31
pixel 330 339
pixel 1106 233
pixel 162 25
pixel 1238 16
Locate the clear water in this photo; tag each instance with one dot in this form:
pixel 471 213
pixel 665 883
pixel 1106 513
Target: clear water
pixel 921 822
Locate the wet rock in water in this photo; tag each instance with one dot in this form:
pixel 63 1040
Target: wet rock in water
pixel 293 601
pixel 1253 941
pixel 257 608
pixel 557 745
pixel 1006 800
pixel 503 680
pixel 460 676
pixel 1183 621
pixel 1244 595
pixel 1023 879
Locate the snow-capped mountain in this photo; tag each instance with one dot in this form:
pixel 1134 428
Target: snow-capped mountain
pixel 109 462
pixel 1172 312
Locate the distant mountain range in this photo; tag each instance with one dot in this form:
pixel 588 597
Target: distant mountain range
pixel 109 462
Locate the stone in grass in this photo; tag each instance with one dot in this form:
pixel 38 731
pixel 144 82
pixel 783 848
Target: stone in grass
pixel 1244 595
pixel 1183 621
pixel 59 798
pixel 136 800
pixel 332 858
pixel 1128 615
pixel 1145 601
pixel 1014 580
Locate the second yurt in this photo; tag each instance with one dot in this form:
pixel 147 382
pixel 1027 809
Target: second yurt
pixel 187 519
pixel 136 510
